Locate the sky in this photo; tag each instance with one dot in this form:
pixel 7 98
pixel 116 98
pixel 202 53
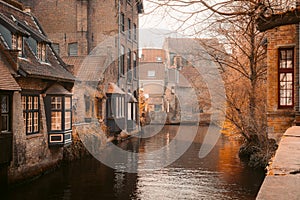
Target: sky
pixel 156 24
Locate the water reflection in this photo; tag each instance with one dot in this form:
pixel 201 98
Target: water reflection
pixel 220 175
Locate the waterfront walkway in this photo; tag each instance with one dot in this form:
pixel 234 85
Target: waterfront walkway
pixel 283 178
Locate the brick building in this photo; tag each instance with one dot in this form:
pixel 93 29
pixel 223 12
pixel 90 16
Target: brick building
pixel 36 98
pixel 152 79
pixel 103 35
pixel 283 108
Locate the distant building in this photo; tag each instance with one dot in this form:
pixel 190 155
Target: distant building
pixel 185 81
pixel 76 29
pixel 283 108
pixel 152 81
pixel 36 96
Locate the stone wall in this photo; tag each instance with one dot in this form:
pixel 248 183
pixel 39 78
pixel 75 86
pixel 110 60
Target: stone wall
pixel 31 154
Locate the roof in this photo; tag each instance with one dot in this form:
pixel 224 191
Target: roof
pixel 7 81
pixel 18 21
pixel 57 89
pixel 279 19
pixel 31 67
pixel 114 89
pixel 92 68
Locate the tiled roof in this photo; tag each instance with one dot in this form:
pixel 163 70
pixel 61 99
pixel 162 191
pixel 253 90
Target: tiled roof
pixel 7 82
pixel 30 66
pixel 75 61
pixel 92 68
pixel 11 25
pixel 51 70
pixel 114 89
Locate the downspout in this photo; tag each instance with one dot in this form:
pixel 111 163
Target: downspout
pixel 119 45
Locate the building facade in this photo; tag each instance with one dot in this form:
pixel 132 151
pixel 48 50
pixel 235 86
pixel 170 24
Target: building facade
pixel 152 80
pixel 36 98
pixel 105 32
pixel 282 71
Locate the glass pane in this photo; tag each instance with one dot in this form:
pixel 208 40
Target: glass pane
pixel 68 120
pixel 5 122
pixel 282 64
pixel 24 102
pixel 56 121
pixel 289 102
pixel 282 77
pixel 289 77
pixel 289 54
pixel 282 101
pixel 56 103
pixel 30 99
pixel 36 121
pixel 282 85
pixel 4 104
pixel 283 54
pixel 289 64
pixel 36 102
pixel 30 123
pixel 67 103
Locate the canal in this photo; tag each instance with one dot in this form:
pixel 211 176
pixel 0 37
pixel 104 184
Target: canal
pixel 220 175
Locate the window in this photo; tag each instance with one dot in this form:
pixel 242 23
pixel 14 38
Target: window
pixel 129 72
pixel 122 60
pixel 5 113
pixel 58 105
pixel 129 28
pixel 151 73
pixel 41 51
pixel 38 48
pixel 286 77
pixel 122 23
pixel 31 113
pixel 134 66
pixel 134 32
pixel 73 49
pixel 32 44
pixel 6 36
pixel 17 43
pixel 99 108
pixel 55 47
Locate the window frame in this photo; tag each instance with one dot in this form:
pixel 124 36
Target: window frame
pixel 134 32
pixel 122 22
pixel 129 66
pixel 129 28
pixel 7 113
pixel 62 110
pixel 30 109
pixel 122 60
pixel 70 53
pixel 135 65
pixel 286 70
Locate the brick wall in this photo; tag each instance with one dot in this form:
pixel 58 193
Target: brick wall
pixel 279 119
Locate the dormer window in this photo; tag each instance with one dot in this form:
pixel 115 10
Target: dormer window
pixel 41 51
pixel 38 48
pixel 17 43
pixel 6 36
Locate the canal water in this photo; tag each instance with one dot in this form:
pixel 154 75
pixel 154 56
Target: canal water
pixel 220 175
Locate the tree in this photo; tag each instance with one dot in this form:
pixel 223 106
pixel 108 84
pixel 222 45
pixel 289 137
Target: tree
pixel 242 63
